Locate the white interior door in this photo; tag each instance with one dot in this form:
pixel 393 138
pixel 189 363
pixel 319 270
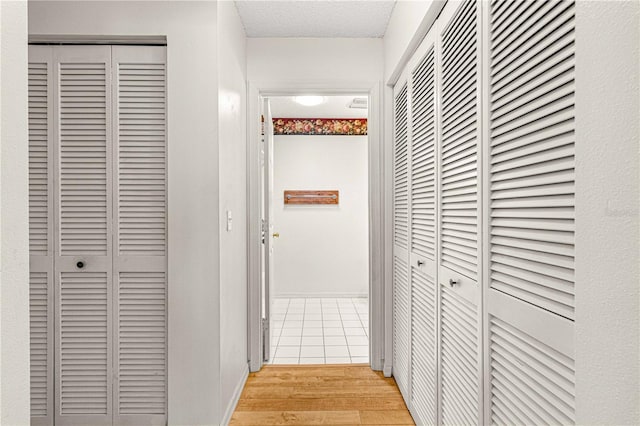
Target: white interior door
pixel 460 214
pixel 424 301
pixel 531 208
pixel 268 226
pixel 140 238
pixel 83 172
pixel 401 288
pixel 41 245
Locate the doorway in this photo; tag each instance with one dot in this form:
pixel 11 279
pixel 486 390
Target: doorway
pixel 259 330
pixel 316 272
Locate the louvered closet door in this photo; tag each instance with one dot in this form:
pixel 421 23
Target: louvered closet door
pixel 140 242
pixel 459 190
pixel 530 299
pixel 401 305
pixel 423 234
pixel 41 249
pixel 83 228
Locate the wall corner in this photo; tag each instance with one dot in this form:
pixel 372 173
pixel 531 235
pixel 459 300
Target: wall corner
pixel 14 225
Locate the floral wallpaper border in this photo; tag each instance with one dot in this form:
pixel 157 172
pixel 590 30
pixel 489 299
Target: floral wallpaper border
pixel 320 126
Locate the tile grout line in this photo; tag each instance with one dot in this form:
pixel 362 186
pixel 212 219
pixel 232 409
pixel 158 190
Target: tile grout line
pixel 364 329
pixel 274 349
pixel 361 322
pixel 324 346
pixel 286 313
pixel 284 320
pixel 304 311
pixel 345 333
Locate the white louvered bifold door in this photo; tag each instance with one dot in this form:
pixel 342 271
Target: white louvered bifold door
pixel 83 228
pixel 140 255
pixel 424 302
pixel 97 235
pixel 401 305
pixel 41 249
pixel 530 299
pixel 459 191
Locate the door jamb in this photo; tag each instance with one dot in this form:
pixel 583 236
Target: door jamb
pixel 380 342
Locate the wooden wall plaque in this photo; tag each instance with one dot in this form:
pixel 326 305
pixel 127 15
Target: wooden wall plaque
pixel 311 197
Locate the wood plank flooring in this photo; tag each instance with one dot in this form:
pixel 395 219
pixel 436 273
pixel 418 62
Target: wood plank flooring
pixel 320 395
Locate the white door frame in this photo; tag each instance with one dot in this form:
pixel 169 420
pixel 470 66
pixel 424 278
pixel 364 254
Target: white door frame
pixel 380 342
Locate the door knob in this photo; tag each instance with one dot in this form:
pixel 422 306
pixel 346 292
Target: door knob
pixel 453 282
pixel 276 235
pixel 80 264
pixel 420 263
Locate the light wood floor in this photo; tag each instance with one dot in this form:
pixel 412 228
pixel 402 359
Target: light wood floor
pixel 320 395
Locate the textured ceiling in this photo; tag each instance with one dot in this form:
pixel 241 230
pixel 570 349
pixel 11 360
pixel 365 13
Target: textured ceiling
pixel 312 18
pixel 334 107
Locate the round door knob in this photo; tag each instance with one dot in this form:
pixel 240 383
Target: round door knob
pixel 276 235
pixel 80 264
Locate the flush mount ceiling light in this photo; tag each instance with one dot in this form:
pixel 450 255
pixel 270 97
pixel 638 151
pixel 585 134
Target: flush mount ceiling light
pixel 309 100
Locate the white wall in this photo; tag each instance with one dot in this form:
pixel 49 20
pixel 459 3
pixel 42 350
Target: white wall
pixel 193 189
pixel 314 59
pixel 14 226
pixel 233 189
pixel 607 209
pixel 405 19
pixel 323 250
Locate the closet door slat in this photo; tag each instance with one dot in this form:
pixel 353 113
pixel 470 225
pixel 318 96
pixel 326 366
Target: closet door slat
pixel 401 324
pixel 41 358
pixel 459 326
pixel 140 238
pixel 459 357
pixel 423 347
pixel 459 94
pixel 401 171
pixel 84 346
pixel 141 157
pixel 532 213
pixel 532 170
pixel 83 160
pixel 83 263
pixel 423 272
pixel 423 137
pixel 401 238
pixel 142 353
pixel 41 246
pixel 39 158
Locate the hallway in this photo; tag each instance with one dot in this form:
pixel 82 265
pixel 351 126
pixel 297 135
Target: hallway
pixel 320 395
pixel 175 249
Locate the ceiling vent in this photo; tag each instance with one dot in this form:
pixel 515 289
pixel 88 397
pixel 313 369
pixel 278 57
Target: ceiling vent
pixel 359 103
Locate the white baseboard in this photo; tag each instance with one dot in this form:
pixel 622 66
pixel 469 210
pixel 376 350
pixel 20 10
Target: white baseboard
pixel 236 397
pixel 387 370
pixel 307 295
